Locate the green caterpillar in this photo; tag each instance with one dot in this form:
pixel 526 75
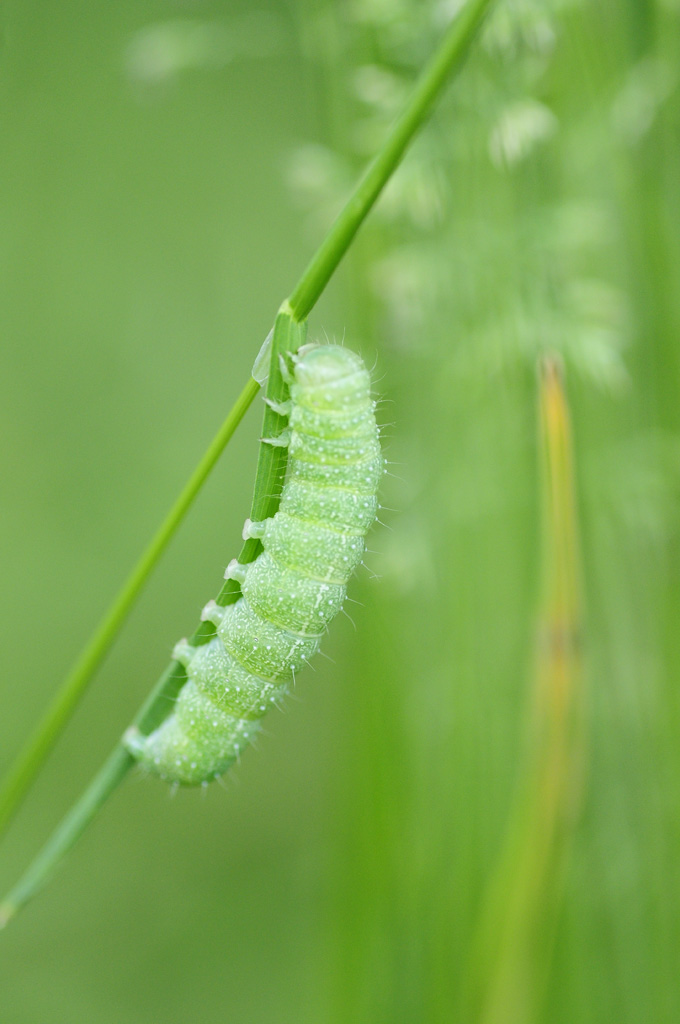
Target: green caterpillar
pixel 295 586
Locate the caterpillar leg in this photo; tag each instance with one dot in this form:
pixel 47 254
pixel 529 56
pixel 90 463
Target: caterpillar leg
pixel 282 408
pixel 134 741
pixel 286 373
pixel 254 530
pixel 236 571
pixel 213 613
pixel 282 441
pixel 183 652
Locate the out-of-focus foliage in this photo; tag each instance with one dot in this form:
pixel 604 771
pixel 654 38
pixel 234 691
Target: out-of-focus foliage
pixel 166 171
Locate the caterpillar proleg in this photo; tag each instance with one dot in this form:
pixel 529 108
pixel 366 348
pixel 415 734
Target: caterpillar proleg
pixel 295 586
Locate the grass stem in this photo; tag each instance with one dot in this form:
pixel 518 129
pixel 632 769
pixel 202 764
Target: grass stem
pixel 448 59
pixel 48 729
pixel 289 330
pixel 511 952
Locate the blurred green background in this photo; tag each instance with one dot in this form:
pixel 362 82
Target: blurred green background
pixel 167 169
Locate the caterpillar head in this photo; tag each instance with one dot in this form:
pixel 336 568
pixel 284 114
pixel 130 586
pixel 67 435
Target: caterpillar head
pixel 329 376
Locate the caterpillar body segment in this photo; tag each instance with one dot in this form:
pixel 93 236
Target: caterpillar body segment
pixel 296 585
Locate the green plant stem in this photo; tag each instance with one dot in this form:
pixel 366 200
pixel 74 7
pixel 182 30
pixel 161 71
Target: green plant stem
pixel 448 59
pixel 288 336
pixel 45 734
pixel 271 465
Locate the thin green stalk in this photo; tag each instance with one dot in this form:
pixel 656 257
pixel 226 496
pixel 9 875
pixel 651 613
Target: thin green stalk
pixel 288 336
pixel 45 734
pixel 288 331
pixel 446 61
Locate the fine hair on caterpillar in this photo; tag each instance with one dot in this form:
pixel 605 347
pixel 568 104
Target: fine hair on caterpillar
pixel 295 586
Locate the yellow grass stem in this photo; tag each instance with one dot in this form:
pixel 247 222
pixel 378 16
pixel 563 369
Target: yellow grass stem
pixel 512 948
